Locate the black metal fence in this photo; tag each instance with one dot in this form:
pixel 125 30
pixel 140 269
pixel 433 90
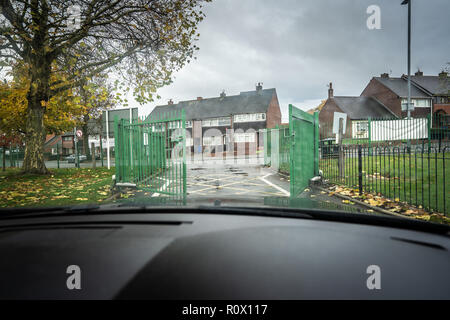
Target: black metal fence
pixel 414 174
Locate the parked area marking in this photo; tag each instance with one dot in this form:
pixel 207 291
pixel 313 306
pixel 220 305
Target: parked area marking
pixel 237 181
pixel 274 185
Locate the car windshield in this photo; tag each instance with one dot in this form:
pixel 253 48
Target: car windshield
pixel 227 103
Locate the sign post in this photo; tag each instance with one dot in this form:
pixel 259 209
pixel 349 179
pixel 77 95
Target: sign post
pixel 75 144
pixel 339 127
pixel 78 135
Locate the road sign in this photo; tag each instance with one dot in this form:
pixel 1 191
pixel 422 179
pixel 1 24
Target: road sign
pixel 337 116
pixel 108 125
pixel 79 133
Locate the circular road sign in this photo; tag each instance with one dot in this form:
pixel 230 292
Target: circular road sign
pixel 79 133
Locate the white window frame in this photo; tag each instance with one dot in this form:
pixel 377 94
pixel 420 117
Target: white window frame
pixel 216 122
pixel 249 117
pixel 416 101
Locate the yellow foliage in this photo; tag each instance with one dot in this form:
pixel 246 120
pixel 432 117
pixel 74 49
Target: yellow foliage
pixel 61 111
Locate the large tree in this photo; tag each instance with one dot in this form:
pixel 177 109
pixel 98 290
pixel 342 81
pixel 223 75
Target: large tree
pixel 143 41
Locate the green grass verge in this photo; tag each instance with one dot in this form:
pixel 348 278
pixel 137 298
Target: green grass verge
pixel 61 187
pixel 422 182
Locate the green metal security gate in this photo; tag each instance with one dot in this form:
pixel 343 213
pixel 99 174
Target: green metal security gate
pixel 151 153
pixel 304 151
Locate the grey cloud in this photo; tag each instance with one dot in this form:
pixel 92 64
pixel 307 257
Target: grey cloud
pixel 300 46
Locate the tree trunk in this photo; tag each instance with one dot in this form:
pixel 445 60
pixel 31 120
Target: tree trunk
pixel 33 161
pixel 37 96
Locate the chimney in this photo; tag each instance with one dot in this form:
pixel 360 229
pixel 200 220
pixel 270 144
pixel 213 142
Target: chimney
pixel 418 73
pixel 443 75
pixel 330 91
pixel 259 86
pixel 385 75
pixel 223 94
pixel 170 102
pixel 199 98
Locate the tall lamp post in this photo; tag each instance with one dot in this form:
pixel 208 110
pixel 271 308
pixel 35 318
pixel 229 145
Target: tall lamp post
pixel 408 2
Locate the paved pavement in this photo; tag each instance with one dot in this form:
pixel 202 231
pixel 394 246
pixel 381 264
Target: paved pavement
pixel 234 181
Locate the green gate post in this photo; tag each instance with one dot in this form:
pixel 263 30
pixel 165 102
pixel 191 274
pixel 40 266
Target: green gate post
pixel 183 121
pixel 117 145
pixel 291 153
pixel 316 143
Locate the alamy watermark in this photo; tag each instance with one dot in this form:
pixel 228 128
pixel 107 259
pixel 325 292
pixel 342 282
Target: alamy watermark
pixel 374 280
pixel 374 19
pixel 73 281
pixel 74 19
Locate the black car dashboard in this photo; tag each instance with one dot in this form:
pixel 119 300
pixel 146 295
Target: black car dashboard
pixel 218 256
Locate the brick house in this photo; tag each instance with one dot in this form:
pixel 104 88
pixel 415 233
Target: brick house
pixel 64 143
pixel 52 143
pixel 426 92
pixel 356 108
pixel 68 143
pixel 209 120
pixel 437 87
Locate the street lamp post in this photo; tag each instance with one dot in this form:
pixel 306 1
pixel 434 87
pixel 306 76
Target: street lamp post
pixel 408 2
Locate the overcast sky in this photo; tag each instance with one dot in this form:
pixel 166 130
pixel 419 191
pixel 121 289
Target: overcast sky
pixel 298 47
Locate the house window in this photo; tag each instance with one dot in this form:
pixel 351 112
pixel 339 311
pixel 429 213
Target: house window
pixel 360 129
pixel 250 117
pixel 422 103
pixel 216 122
pixel 67 138
pixel 158 128
pixel 418 103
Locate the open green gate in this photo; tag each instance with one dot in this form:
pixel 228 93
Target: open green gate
pixel 151 153
pixel 304 151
